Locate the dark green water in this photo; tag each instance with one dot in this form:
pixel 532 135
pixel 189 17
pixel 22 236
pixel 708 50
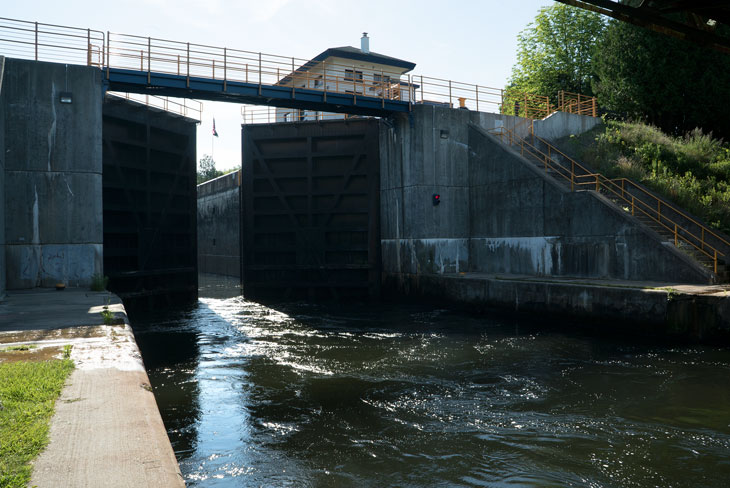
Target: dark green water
pixel 411 396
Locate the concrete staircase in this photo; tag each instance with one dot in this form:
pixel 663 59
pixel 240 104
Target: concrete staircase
pixel 707 247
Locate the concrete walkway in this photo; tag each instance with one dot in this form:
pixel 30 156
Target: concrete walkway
pixel 107 430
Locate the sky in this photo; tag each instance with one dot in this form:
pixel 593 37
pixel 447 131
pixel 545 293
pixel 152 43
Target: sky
pixel 471 41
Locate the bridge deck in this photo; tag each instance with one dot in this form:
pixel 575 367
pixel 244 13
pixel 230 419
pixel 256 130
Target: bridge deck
pixel 202 88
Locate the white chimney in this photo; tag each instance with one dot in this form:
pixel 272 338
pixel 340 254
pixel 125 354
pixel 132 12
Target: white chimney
pixel 365 43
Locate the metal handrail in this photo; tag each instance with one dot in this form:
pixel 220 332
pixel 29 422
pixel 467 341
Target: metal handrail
pixel 576 103
pixel 116 50
pixel 164 103
pixel 601 183
pixel 658 201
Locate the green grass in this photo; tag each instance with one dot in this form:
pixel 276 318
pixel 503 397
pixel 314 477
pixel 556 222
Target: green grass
pixel 692 171
pixel 108 316
pixel 99 282
pixel 28 392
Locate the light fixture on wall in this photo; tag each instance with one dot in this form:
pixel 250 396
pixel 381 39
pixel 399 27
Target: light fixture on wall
pixel 66 97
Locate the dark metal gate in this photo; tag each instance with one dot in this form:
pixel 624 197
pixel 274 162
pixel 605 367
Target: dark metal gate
pixel 149 204
pixel 310 210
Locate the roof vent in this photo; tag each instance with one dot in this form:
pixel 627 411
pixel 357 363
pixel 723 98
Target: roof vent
pixel 365 43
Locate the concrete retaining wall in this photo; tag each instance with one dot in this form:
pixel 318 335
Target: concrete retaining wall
pixel 53 161
pixel 704 315
pixel 501 214
pixel 561 124
pixel 219 221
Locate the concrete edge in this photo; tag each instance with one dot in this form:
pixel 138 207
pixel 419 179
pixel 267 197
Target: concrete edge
pixel 106 426
pixel 660 312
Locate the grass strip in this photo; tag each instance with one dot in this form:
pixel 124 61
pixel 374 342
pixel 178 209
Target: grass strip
pixel 28 393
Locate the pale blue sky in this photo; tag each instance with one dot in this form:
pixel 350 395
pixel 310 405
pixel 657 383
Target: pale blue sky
pixel 468 41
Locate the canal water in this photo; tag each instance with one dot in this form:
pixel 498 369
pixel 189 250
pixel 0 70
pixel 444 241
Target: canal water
pixel 400 395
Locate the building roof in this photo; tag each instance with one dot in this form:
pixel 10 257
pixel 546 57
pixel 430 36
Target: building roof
pixel 349 52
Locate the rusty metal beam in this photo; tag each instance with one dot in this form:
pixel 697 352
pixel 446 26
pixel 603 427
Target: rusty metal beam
pixel 650 18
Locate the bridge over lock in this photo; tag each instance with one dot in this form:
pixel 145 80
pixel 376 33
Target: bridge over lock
pixel 161 67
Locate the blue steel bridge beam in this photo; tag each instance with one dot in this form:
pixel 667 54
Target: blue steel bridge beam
pixel 200 88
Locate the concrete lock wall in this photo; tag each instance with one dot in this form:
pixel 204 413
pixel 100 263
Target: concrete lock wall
pixel 499 213
pixel 219 221
pixel 53 163
pixel 2 182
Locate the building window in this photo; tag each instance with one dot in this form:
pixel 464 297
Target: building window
pixel 357 75
pixel 385 79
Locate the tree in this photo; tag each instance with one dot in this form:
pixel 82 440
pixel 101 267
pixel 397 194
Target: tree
pixel 555 52
pixel 673 84
pixel 206 169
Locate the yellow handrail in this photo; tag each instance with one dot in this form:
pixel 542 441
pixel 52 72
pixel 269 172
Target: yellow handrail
pixel 576 103
pixel 600 183
pixel 657 201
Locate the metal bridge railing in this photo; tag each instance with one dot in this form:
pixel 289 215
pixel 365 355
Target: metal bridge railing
pixel 186 107
pixel 271 115
pixel 47 42
pixel 627 194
